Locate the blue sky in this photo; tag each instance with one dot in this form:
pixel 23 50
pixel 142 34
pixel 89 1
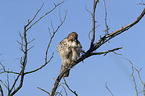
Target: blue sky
pixel 88 78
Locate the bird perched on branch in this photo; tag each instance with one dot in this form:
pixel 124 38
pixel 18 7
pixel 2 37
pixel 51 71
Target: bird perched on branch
pixel 69 50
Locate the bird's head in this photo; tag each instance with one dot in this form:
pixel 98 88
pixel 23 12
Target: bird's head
pixel 72 36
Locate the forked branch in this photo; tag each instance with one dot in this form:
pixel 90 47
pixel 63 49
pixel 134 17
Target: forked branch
pixel 96 45
pixel 74 92
pixel 134 81
pixel 18 82
pixel 48 46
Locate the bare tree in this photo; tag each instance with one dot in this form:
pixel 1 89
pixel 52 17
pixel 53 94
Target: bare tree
pixel 134 69
pixel 95 45
pixel 19 80
pixel 24 48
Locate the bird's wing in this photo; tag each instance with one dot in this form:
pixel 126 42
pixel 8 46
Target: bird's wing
pixel 79 47
pixel 63 48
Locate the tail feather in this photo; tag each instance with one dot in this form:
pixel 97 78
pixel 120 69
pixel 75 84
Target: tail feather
pixel 65 74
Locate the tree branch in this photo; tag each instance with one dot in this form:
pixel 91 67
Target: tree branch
pixel 24 48
pixel 43 90
pixel 48 46
pixel 5 71
pixel 108 89
pixel 29 22
pixel 74 92
pixel 42 16
pixel 1 90
pixel 4 84
pixel 40 66
pixel 133 77
pixel 107 28
pixel 94 22
pixel 94 47
pixel 54 32
pixel 24 62
pixel 106 52
pixel 56 83
pixel 138 71
pixel 115 33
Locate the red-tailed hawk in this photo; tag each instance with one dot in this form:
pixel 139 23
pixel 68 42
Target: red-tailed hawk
pixel 69 50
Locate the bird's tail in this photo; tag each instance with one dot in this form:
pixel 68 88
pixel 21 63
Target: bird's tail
pixel 66 74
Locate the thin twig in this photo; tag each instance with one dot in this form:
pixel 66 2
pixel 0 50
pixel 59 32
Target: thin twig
pixel 54 32
pixel 107 28
pixel 44 14
pixel 59 93
pixel 30 48
pixel 108 89
pixel 135 85
pixel 106 52
pixel 5 71
pixel 4 84
pixel 41 66
pixel 138 71
pixel 29 22
pixel 60 14
pixel 43 90
pixel 9 72
pixel 91 31
pixel 88 10
pixel 64 89
pixel 1 90
pixel 141 81
pixel 94 22
pixel 8 83
pixel 74 92
pixel 31 41
pixel 139 76
pixel 144 89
